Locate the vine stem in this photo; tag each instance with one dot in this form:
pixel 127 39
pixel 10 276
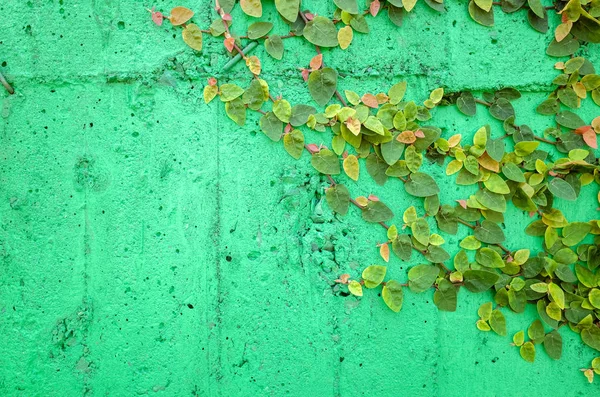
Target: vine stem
pixel 539 138
pixel 482 102
pixel 467 224
pixel 6 85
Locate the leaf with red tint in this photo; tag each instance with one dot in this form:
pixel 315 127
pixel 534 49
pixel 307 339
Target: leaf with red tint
pixel 229 43
pixel 212 81
pixel 552 173
pixel 309 16
pixel 372 197
pixel 374 7
pixel 406 137
pixel 305 74
pixel 226 17
pixel 343 279
pixel 419 134
pixel 287 128
pixel 384 251
pixel 582 130
pixel 590 138
pixel 463 203
pixel 312 148
pixel 316 62
pixel 370 100
pixel 509 259
pixel 157 17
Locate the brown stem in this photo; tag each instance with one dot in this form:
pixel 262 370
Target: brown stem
pixel 538 138
pixel 483 102
pixel 466 223
pixel 6 85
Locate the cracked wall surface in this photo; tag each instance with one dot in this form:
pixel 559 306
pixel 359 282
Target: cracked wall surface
pixel 149 246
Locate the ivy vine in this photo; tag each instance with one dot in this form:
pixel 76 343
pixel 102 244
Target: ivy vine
pixel 387 135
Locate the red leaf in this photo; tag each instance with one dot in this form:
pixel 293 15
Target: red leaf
pixel 370 101
pixel 372 197
pixel 384 251
pixel 374 7
pixel 305 74
pixel 509 259
pixel 532 213
pixel 419 134
pixel 582 130
pixel 312 148
pixel 212 81
pixel 287 128
pixel 157 17
pixel 309 16
pixel 316 62
pixel 463 203
pixel 226 17
pixel 590 138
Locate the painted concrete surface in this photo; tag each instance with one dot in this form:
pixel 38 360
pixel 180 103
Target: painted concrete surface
pixel 151 247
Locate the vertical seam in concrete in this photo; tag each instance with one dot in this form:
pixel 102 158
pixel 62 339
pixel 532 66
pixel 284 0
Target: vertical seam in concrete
pixel 86 251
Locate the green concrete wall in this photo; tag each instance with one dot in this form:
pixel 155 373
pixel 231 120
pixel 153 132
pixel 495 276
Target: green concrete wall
pixel 149 246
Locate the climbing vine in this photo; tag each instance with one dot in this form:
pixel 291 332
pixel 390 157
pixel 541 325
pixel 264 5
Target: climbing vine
pixel 391 137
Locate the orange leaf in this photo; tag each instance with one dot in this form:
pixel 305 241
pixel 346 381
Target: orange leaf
pixel 590 138
pixel 353 125
pixel 384 251
pixel 212 81
pixel 316 62
pixel 253 64
pixel 305 74
pixel 229 42
pixel 488 163
pixel 370 100
pixel 374 7
pixel 406 137
pixel 180 15
pixel 582 130
pixel 419 134
pixel 343 279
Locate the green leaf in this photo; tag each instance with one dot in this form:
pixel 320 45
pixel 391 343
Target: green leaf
pixel 495 148
pixel 466 103
pixel 349 6
pixel 271 126
pixel 376 167
pixel 512 172
pixel 436 254
pixel 553 345
pixel 355 288
pixel 568 46
pixel 326 162
pixel 528 352
pixel 293 143
pixel 594 298
pixel 421 185
pixel 562 189
pixel 519 338
pixel 259 29
pixel 485 5
pixel 228 92
pixel 300 114
pixel 498 322
pixel 376 212
pixel 396 15
pixel 392 295
pixel 396 93
pixel 288 9
pixel 391 151
pixel 445 296
pixel 485 311
pixel 536 332
pixel 489 258
pixel 502 109
pixel 283 110
pixel 402 247
pixel 274 46
pixel 575 232
pixel 192 36
pixel 321 31
pixel 236 111
pixel 525 148
pixel 496 184
pixel 557 294
pixel 373 275
pixel 493 201
pixel 479 280
pixel 537 7
pixel 420 229
pixel 591 337
pixel 422 277
pixel 489 232
pixel 338 198
pixel 569 119
pixel 481 16
pixel 322 84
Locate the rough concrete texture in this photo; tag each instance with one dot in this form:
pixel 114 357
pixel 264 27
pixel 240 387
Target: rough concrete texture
pixel 149 246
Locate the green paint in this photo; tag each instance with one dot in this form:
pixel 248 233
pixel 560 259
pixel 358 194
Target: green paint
pixel 151 246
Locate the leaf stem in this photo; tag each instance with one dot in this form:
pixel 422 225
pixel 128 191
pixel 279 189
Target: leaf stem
pixel 466 223
pixel 539 138
pixel 6 85
pixel 482 102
